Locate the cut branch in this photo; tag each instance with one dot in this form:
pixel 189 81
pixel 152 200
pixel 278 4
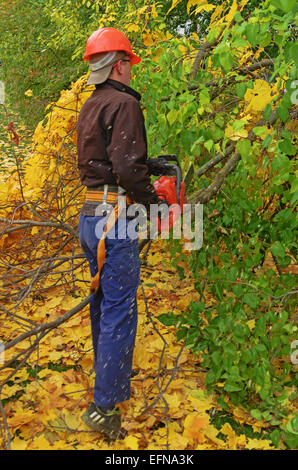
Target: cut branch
pixel 50 325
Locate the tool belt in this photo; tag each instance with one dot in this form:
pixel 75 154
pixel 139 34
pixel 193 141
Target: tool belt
pixel 106 194
pixel 113 196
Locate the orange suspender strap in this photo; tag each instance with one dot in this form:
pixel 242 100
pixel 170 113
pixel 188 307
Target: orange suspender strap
pixel 101 250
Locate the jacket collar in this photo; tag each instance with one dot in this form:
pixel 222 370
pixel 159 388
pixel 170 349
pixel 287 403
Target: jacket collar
pixel 121 87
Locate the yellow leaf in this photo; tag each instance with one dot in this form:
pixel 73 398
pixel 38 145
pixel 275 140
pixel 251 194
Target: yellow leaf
pixel 242 4
pixel 21 417
pixel 200 400
pixel 206 6
pixel 176 440
pixel 182 49
pixel 241 440
pixel 216 13
pixel 41 443
pixel 155 259
pixel 131 442
pixel 28 93
pixel 148 39
pixel 259 444
pixel 211 432
pixel 22 375
pixel 258 97
pixel 157 53
pixel 71 388
pixel 240 414
pixel 228 431
pixel 251 324
pixel 229 17
pixel 55 355
pixel 46 415
pixel 233 134
pixel 133 28
pixel 72 420
pixel 142 357
pixel 56 379
pixel 201 5
pixel 18 444
pixel 193 424
pixel 10 391
pixel 174 4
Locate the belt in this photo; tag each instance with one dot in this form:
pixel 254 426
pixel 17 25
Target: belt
pixel 112 195
pixel 107 194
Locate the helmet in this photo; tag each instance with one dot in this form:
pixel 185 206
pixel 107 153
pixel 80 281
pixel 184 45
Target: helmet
pixel 108 40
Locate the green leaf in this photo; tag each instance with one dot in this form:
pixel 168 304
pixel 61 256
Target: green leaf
pixel 292 426
pixel 291 441
pixel 238 290
pixel 222 403
pixel 240 42
pixel 226 61
pixel 204 97
pixel 232 387
pixel 219 120
pixel 275 437
pixel 251 300
pixel 285 5
pixel 241 89
pixel 267 111
pixel 287 147
pixel 256 414
pixel 237 17
pixel 293 53
pixel 265 39
pixel 172 116
pixel 208 144
pixel 280 162
pixel 267 141
pixel 252 33
pixel 244 148
pixel 277 249
pixel 282 112
pixel 181 333
pixel 197 307
pixel 259 130
pixel 168 319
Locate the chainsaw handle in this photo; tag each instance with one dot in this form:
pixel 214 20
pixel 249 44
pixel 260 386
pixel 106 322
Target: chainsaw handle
pixel 170 157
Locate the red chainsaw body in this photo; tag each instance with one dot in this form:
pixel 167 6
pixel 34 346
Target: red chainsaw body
pixel 165 188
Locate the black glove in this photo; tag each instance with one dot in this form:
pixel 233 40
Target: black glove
pixel 156 166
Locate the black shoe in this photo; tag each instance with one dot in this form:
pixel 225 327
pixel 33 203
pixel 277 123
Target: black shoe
pixel 106 422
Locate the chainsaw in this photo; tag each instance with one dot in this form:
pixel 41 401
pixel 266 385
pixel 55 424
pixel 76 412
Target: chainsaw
pixel 169 186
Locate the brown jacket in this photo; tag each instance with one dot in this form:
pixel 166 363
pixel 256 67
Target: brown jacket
pixel 112 145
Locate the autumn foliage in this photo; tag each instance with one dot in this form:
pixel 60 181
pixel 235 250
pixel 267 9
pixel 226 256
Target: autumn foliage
pixel 213 359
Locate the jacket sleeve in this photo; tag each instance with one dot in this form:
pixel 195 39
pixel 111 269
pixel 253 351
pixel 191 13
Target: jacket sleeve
pixel 127 152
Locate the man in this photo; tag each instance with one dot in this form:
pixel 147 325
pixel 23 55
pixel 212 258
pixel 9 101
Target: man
pixel 112 155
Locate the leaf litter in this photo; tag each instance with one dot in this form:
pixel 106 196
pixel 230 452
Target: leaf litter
pixel 169 407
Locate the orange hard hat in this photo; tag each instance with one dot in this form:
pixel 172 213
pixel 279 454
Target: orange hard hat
pixel 108 40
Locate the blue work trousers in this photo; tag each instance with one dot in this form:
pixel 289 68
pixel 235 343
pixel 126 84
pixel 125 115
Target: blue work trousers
pixel 113 309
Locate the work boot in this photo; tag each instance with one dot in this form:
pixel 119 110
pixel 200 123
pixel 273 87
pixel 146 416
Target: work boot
pixel 107 422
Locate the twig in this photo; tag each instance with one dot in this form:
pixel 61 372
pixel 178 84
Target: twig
pixel 49 326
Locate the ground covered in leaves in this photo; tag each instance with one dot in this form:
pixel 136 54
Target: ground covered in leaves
pixel 169 407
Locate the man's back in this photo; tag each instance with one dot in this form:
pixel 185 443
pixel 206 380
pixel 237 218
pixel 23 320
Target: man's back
pixel 112 145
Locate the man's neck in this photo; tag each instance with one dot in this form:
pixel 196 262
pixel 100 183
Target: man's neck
pixel 121 87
